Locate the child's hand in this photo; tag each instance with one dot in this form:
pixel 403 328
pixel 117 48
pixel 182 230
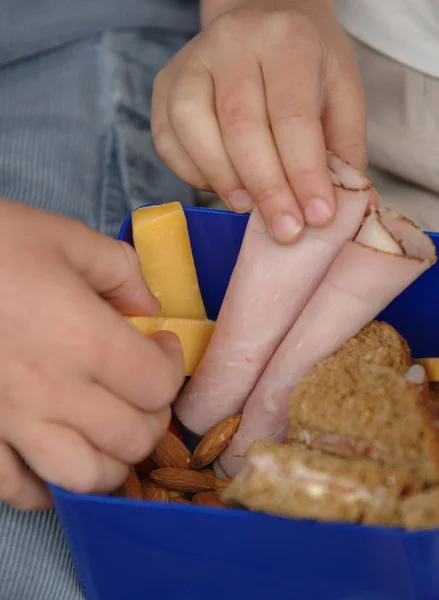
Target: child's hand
pixel 253 101
pixel 82 393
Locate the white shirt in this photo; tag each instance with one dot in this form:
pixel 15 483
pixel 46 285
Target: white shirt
pixel 405 30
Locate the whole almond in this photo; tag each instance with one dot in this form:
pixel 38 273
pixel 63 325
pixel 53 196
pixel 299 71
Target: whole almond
pixel 156 493
pixel 208 499
pixel 214 442
pixel 131 487
pixel 171 452
pixel 209 473
pixel 183 480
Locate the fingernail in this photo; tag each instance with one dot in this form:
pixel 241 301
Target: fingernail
pixel 317 212
pixel 285 228
pixel 241 201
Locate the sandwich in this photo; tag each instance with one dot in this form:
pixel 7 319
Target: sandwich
pixel 308 484
pixel 362 444
pixel 365 402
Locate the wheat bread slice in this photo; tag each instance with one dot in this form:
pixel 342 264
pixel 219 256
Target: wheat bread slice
pixel 379 343
pixel 351 407
pixel 307 484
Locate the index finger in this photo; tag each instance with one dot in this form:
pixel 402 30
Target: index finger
pixel 245 130
pixel 294 95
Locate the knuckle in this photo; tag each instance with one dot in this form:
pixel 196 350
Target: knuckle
pixel 287 112
pixel 231 25
pixel 182 106
pixel 287 22
pixel 164 141
pixel 303 176
pixel 235 115
pixel 266 192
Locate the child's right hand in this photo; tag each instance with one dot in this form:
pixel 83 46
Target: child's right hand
pixel 248 107
pixel 82 393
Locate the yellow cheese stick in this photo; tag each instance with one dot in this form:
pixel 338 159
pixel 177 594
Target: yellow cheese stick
pixel 193 335
pixel 431 366
pixel 162 243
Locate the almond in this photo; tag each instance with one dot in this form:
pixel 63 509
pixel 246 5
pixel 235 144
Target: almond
pixel 183 480
pixel 208 499
pixel 209 473
pixel 214 442
pixel 131 487
pixel 171 452
pixel 155 492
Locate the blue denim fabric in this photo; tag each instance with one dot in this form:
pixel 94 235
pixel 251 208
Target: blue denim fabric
pixel 28 27
pixel 75 139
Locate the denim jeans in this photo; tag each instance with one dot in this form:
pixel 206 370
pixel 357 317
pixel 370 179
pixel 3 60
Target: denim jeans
pixel 75 138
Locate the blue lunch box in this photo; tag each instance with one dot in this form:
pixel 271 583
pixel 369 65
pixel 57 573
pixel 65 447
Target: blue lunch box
pixel 129 550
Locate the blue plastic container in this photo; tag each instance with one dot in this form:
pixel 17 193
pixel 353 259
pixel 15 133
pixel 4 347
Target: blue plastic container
pixel 129 550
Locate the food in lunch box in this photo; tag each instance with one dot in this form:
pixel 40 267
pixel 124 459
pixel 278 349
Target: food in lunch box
pixel 366 406
pixel 352 421
pixel 366 276
pixel 214 442
pixel 353 404
pixel 268 289
pixel 176 475
pixel 171 452
pixel 307 484
pixel 194 335
pixel 161 240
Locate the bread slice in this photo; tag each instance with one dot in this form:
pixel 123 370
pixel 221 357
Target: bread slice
pixel 379 343
pixel 421 511
pixel 351 407
pixel 307 484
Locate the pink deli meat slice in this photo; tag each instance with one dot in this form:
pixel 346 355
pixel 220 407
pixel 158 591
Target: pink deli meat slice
pixel 388 254
pixel 269 287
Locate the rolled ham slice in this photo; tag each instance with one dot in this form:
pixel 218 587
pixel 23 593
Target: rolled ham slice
pixel 268 289
pixel 387 255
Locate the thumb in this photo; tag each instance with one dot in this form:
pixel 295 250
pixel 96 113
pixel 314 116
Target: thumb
pixel 112 269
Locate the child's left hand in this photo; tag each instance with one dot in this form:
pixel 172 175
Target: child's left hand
pixel 248 107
